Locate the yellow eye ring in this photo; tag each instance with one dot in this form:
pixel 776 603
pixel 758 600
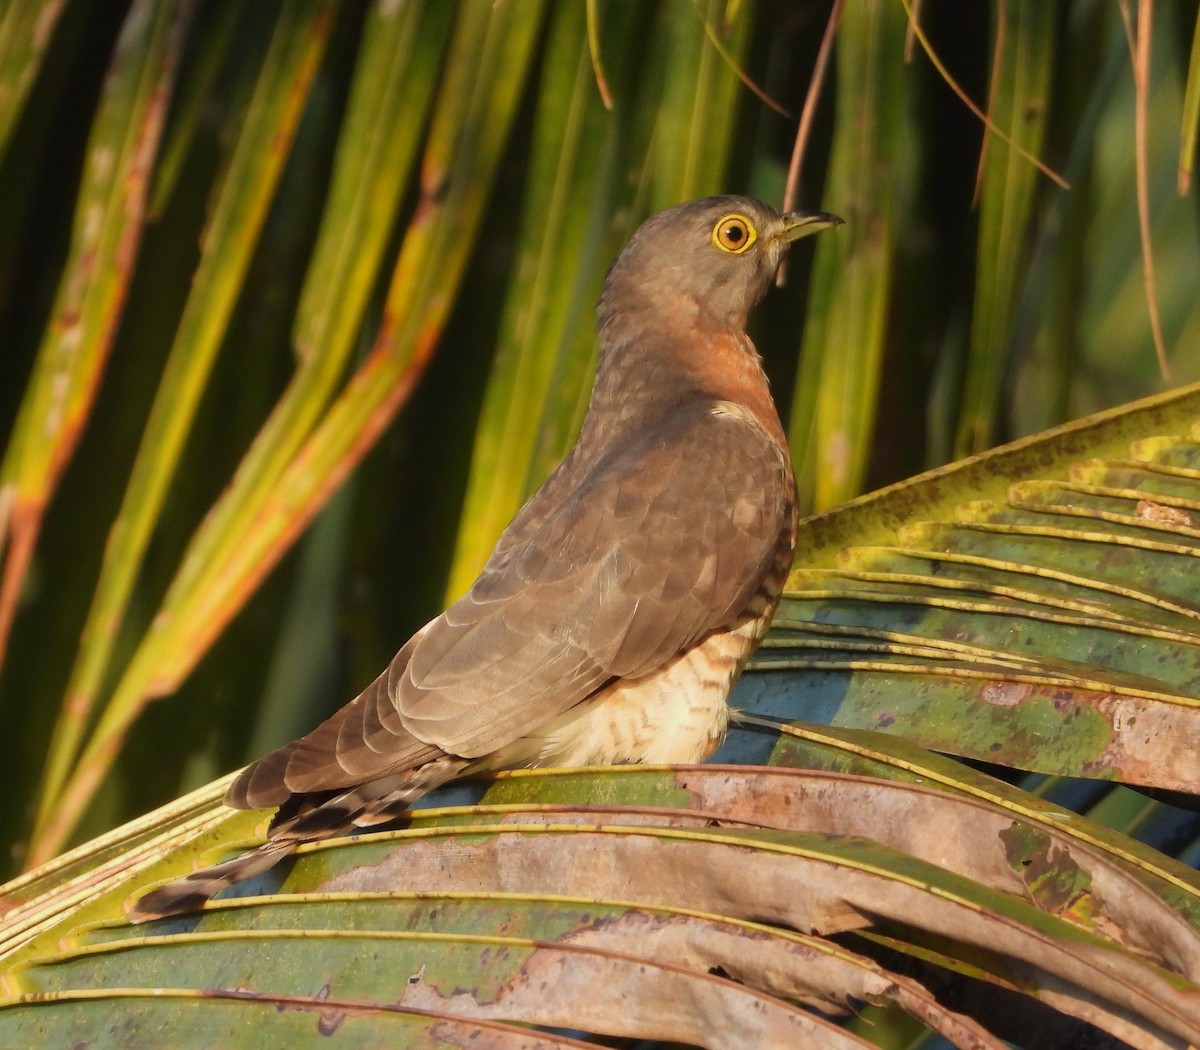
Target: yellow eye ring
pixel 734 234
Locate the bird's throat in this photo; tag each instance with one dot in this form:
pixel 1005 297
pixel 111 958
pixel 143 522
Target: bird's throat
pixel 656 355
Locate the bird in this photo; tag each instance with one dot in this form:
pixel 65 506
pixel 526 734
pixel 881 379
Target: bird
pixel 623 600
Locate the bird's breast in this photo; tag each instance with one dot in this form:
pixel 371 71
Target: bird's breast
pixel 730 371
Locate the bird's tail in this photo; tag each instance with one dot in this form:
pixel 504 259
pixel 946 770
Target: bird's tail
pixel 193 890
pixel 303 818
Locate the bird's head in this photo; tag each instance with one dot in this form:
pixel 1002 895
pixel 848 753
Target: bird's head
pixel 720 253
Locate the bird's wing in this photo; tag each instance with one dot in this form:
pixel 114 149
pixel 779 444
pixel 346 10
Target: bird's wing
pixel 657 545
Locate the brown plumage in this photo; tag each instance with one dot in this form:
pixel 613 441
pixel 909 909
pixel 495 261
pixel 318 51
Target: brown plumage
pixel 624 598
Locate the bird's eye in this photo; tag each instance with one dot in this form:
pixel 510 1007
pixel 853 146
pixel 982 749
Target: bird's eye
pixel 734 234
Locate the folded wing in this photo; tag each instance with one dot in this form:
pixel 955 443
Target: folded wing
pixel 655 545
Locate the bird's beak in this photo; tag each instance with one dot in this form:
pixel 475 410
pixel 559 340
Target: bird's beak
pixel 797 224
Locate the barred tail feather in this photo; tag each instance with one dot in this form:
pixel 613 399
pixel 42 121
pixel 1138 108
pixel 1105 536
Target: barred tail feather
pixel 189 893
pixel 303 818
